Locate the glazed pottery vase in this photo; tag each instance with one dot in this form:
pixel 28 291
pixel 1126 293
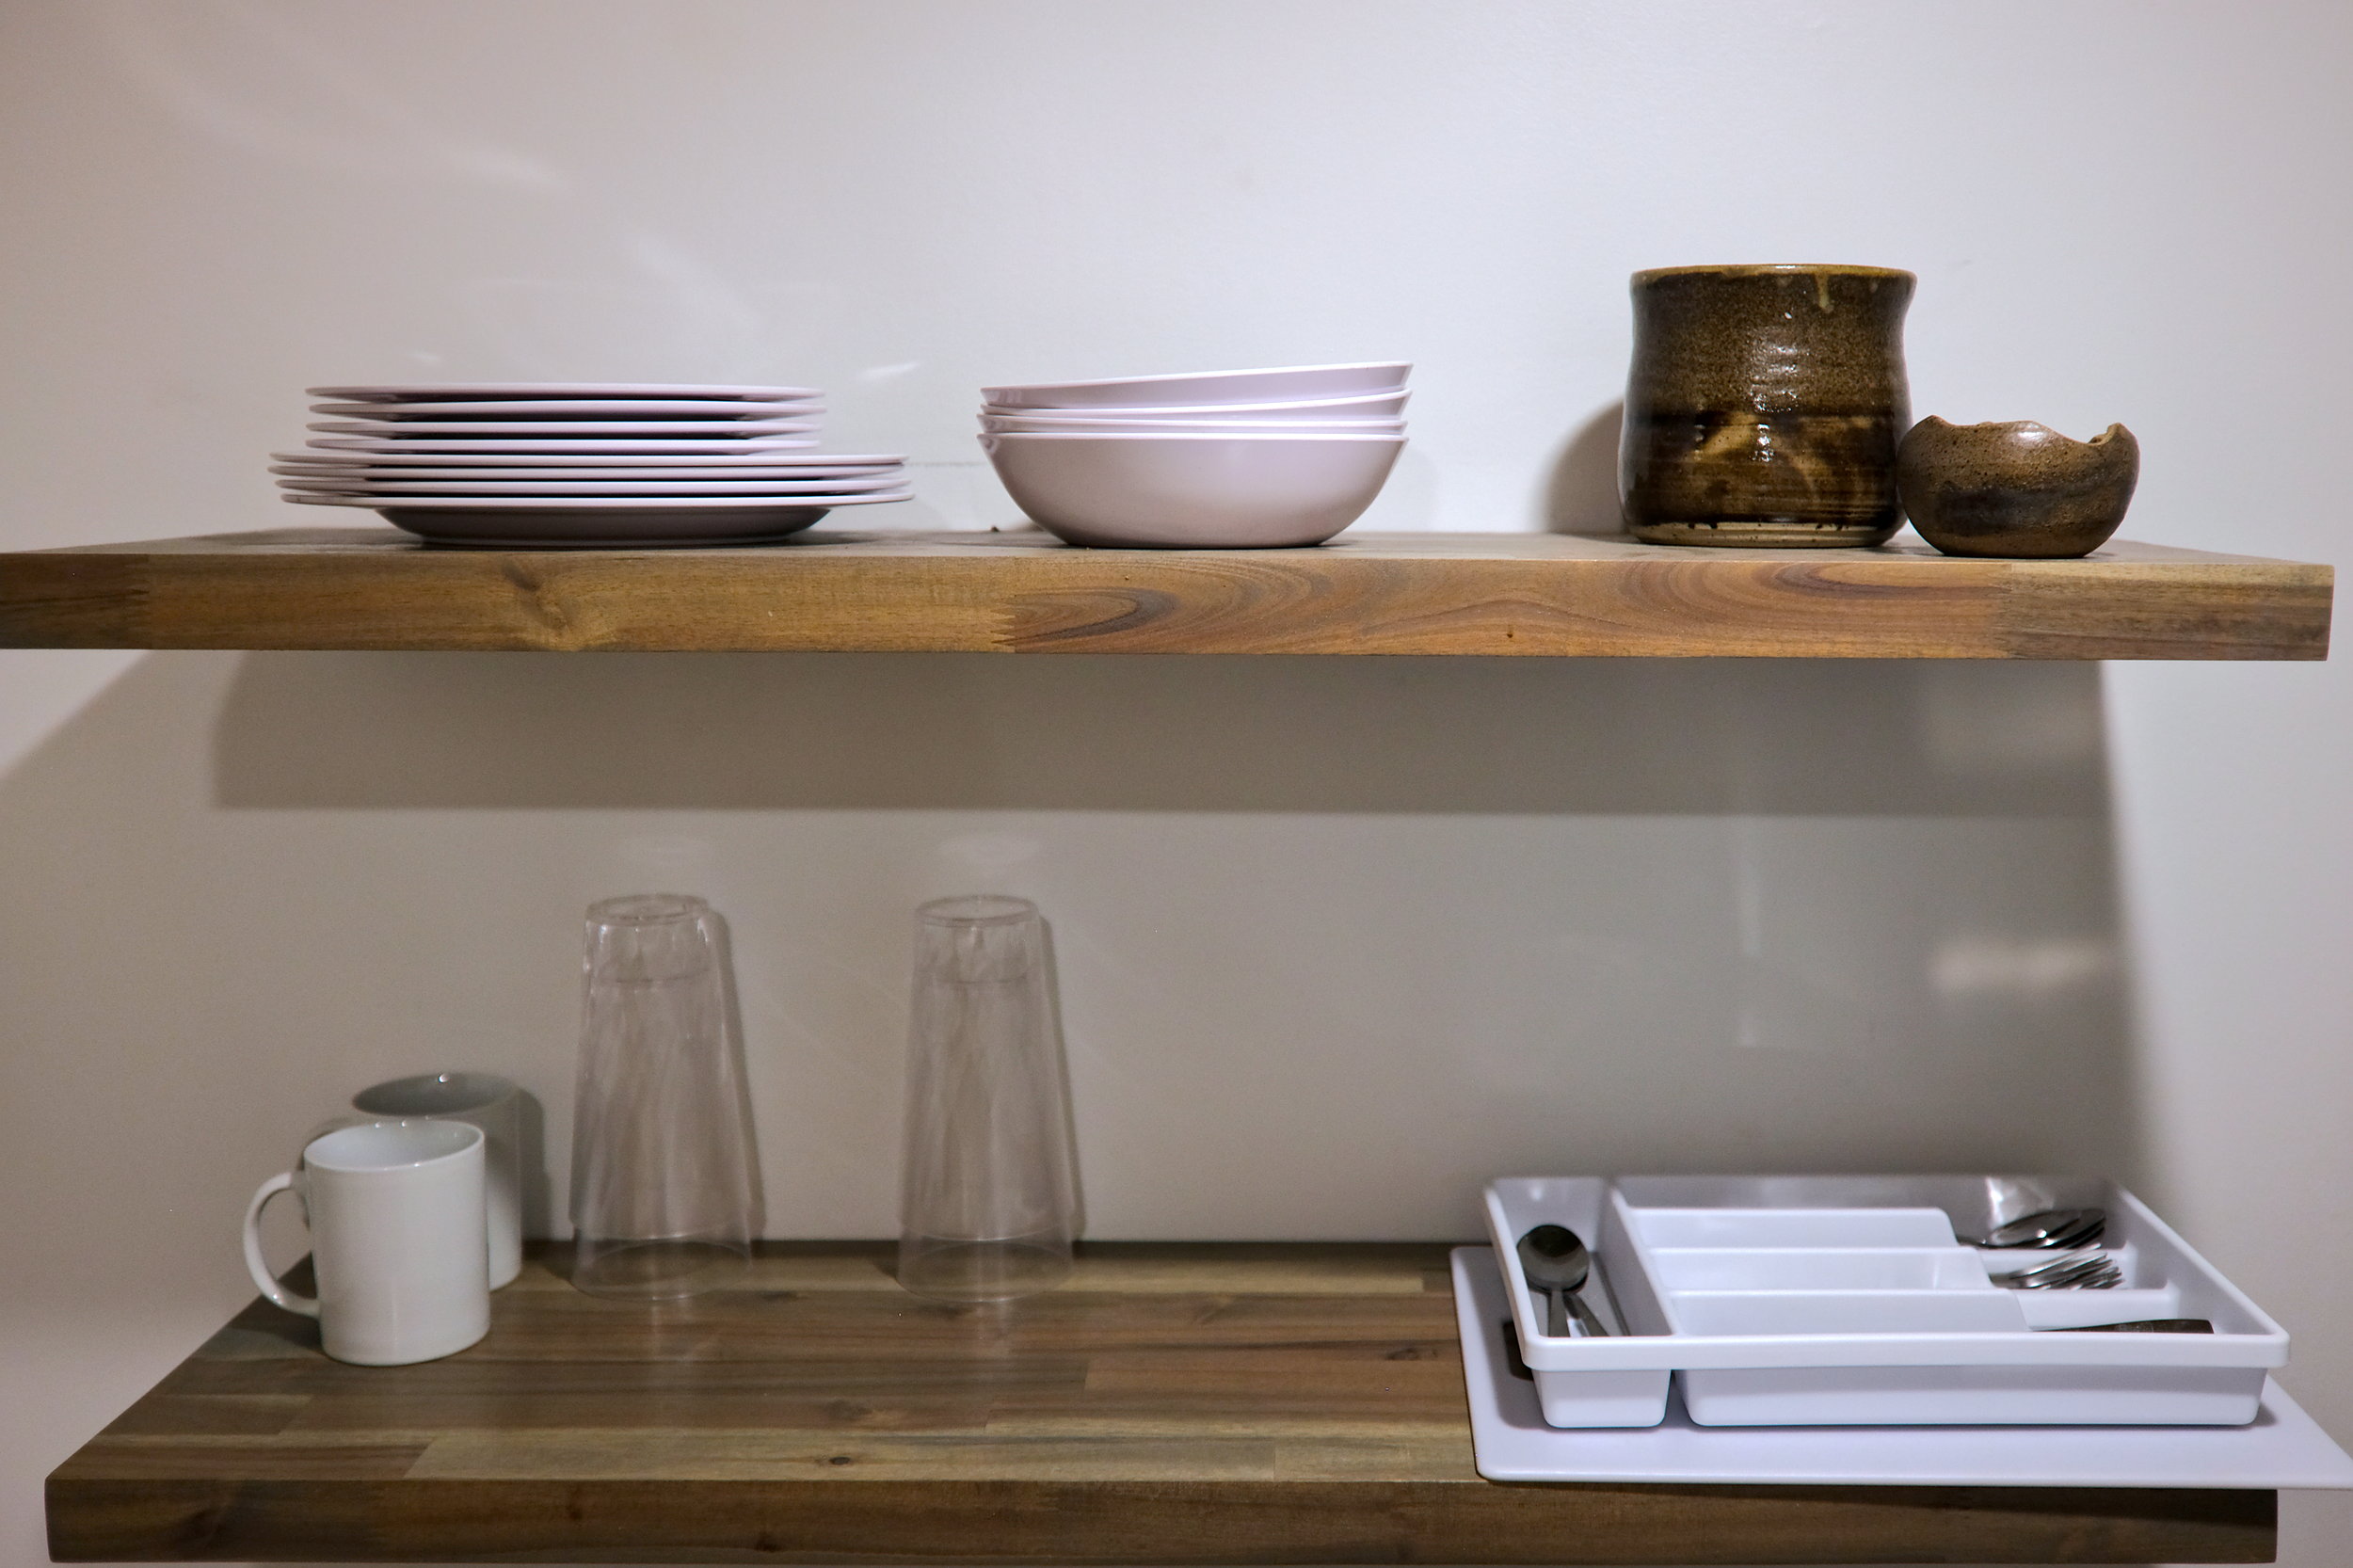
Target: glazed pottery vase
pixel 1765 406
pixel 2018 489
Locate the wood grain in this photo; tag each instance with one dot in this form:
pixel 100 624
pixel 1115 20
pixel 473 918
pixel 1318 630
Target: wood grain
pixel 1511 594
pixel 1296 1405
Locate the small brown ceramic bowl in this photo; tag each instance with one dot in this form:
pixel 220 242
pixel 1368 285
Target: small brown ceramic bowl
pixel 2019 490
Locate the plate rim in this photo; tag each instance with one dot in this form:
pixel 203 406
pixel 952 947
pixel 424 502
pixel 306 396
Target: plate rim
pixel 461 391
pixel 580 476
pixel 554 410
pixel 615 446
pixel 593 503
pixel 795 456
pixel 651 486
pixel 391 429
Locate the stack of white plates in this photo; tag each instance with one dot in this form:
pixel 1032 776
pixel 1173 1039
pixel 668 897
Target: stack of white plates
pixel 553 464
pixel 1234 459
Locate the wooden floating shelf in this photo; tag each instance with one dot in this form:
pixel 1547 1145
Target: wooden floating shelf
pixel 1023 593
pixel 1172 1404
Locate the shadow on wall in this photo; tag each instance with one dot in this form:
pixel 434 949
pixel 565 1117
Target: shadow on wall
pixel 1460 736
pixel 1582 495
pixel 1706 915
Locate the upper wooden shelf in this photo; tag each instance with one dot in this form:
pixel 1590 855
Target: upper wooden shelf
pixel 1025 593
pixel 1170 1404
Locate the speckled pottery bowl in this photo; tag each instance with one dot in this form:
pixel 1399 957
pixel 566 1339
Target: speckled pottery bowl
pixel 2018 489
pixel 1765 404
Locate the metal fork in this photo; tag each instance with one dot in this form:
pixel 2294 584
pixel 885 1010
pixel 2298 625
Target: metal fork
pixel 2088 1271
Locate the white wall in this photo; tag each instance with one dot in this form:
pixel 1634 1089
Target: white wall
pixel 1338 940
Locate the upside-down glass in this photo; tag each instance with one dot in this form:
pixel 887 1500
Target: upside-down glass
pixel 988 1202
pixel 663 1188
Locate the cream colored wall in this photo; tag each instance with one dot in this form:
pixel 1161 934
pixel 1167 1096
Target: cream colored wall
pixel 1338 940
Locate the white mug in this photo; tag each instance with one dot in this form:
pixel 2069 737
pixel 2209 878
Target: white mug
pixel 494 1105
pixel 397 1241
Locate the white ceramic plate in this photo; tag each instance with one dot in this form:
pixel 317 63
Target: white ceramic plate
pixel 595 502
pixel 634 529
pixel 619 408
pixel 615 524
pixel 439 448
pixel 1373 406
pixel 318 454
pixel 1209 387
pixel 355 475
pixel 568 489
pixel 426 392
pixel 550 429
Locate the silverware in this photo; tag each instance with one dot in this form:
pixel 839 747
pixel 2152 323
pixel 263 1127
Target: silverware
pixel 2142 1325
pixel 1556 1263
pixel 2052 1227
pixel 2088 1271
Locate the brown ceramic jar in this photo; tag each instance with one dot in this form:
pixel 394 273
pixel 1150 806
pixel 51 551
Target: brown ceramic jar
pixel 1765 406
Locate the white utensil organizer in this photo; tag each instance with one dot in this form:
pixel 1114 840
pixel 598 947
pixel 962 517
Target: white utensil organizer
pixel 1840 1300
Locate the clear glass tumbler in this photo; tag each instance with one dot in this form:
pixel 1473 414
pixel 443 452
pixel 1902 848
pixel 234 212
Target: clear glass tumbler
pixel 665 1189
pixel 988 1200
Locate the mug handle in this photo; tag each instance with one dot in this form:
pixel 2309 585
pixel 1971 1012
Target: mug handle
pixel 307 1306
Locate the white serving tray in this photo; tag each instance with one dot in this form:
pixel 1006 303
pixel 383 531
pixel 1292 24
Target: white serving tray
pixel 1809 1301
pixel 2282 1447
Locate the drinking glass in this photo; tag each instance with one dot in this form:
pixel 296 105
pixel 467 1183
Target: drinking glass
pixel 989 1201
pixel 664 1184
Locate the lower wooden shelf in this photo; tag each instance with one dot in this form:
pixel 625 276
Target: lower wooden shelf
pixel 835 590
pixel 1170 1404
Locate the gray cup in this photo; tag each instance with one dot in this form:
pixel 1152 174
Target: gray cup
pixel 491 1103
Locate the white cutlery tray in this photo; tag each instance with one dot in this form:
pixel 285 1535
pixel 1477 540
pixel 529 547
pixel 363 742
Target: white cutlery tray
pixel 1845 1301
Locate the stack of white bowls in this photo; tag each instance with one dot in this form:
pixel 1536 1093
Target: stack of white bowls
pixel 1222 460
pixel 566 463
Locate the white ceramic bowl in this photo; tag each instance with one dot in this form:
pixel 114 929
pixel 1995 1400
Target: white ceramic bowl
pixel 1074 425
pixel 1194 491
pixel 1207 387
pixel 1390 404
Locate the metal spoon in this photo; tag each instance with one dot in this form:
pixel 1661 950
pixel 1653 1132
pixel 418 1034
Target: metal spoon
pixel 1556 1263
pixel 2052 1227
